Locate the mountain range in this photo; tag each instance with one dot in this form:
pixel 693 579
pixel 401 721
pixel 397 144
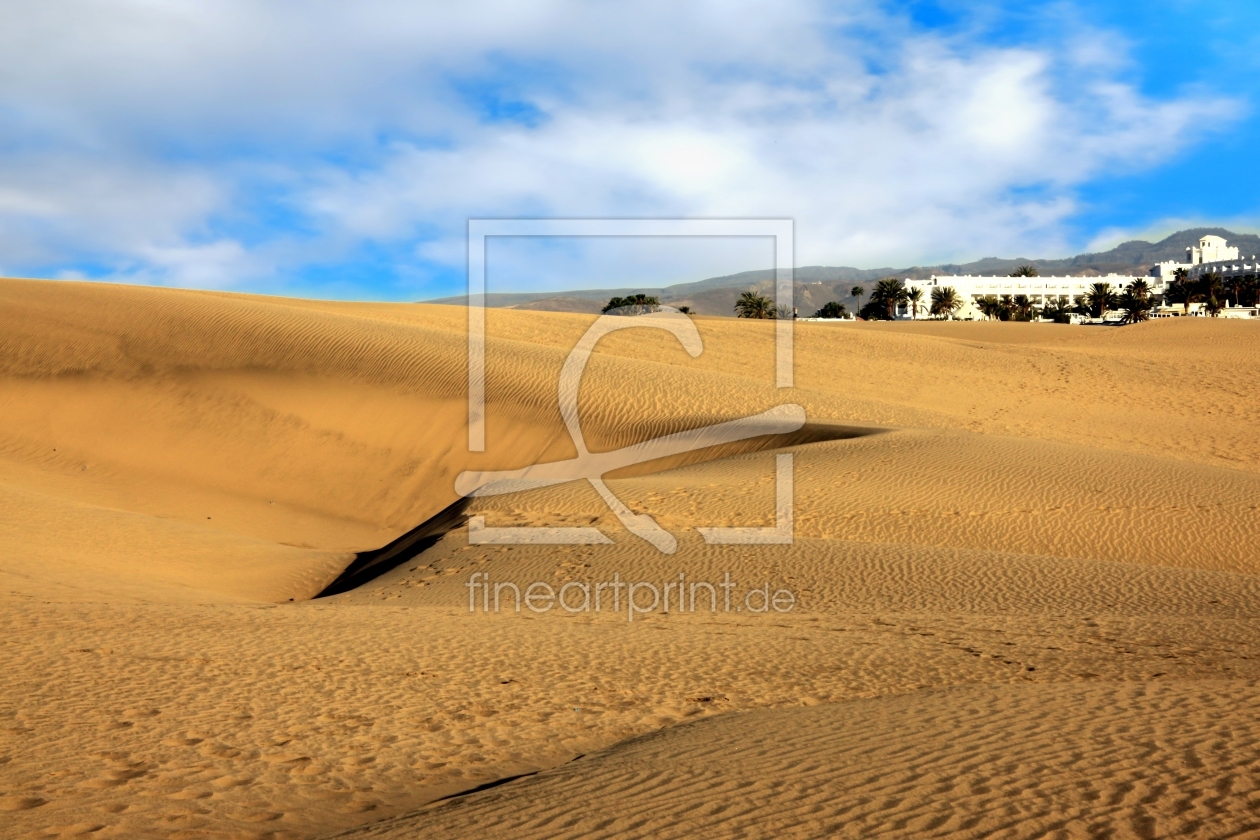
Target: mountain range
pixel 816 285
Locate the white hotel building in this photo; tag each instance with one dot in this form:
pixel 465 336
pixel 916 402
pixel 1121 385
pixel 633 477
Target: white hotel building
pixel 1212 254
pixel 1039 290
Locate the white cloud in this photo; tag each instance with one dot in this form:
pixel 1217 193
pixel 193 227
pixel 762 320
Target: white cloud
pixel 158 138
pixel 106 204
pixel 210 266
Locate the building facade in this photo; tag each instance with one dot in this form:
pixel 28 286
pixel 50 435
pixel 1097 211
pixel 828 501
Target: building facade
pixel 1213 254
pixel 971 288
pixel 1211 249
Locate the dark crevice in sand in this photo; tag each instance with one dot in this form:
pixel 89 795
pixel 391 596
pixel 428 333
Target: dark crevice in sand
pixel 809 433
pixel 369 565
pixel 484 786
pixel 496 782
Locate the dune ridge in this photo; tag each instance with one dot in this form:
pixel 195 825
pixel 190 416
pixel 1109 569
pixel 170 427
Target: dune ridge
pixel 1157 761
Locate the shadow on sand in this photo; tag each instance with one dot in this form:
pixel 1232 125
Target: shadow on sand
pixel 369 565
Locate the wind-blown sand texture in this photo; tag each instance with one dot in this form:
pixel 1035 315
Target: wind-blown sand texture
pixel 1026 572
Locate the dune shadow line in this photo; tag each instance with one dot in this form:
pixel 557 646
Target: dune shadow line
pixel 496 783
pixel 369 565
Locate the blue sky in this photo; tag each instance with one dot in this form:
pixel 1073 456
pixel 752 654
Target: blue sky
pixel 337 150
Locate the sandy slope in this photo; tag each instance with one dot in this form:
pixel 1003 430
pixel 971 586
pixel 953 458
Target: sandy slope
pixel 1170 760
pixel 1031 599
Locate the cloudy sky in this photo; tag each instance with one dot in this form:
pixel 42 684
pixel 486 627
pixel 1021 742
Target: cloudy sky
pixel 336 149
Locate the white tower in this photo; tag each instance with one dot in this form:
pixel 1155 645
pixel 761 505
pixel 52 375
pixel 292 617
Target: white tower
pixel 1211 249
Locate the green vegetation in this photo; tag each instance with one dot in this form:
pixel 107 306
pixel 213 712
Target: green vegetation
pixel 1132 303
pixel 990 307
pixel 914 296
pixel 1008 308
pixel 1100 298
pixel 634 305
pixel 1136 302
pixel 755 306
pixel 1059 310
pixel 858 292
pixel 1214 293
pixel 945 302
pixel 1022 308
pixel 888 294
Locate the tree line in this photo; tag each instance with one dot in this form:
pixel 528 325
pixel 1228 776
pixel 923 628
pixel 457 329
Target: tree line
pixel 891 294
pixel 1212 290
pixel 639 304
pixel 1133 300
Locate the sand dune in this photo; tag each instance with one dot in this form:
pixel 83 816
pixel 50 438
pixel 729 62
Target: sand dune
pixel 1013 761
pixel 1025 571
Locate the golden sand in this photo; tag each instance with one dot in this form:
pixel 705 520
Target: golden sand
pixel 1027 602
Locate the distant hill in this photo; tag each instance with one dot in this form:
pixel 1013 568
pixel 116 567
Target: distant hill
pixel 816 284
pixel 1125 258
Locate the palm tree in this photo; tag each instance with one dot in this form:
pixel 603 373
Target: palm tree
pixel 857 292
pixel 1058 309
pixel 1183 292
pixel 1136 310
pixel 914 296
pixel 1023 308
pixel 888 295
pixel 1136 302
pixel 945 302
pixel 1100 298
pixel 634 304
pixel 1233 284
pixel 753 305
pixel 1247 291
pixel 832 309
pixel 1006 307
pixel 1025 271
pixel 990 307
pixel 1211 290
